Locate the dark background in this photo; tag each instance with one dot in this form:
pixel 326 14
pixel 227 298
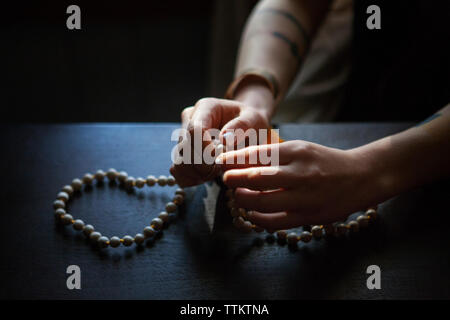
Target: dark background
pixel 146 60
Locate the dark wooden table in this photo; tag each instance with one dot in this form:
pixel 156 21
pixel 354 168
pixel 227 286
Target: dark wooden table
pixel 410 242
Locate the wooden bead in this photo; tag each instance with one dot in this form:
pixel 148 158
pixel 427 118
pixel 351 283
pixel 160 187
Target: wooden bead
pixel 306 236
pixel 102 242
pixel 164 216
pixel 181 192
pixel 130 182
pixel 292 238
pixel 171 181
pixel 127 241
pixel 66 219
pixel 243 213
pixel 238 222
pixel 122 176
pixel 63 196
pixel 59 204
pixel 112 174
pixel 258 229
pixel 234 212
pixel 94 236
pixel 329 229
pixel 68 189
pixel 282 234
pixel 341 229
pixel 151 181
pixel 162 181
pixel 139 238
pixel 171 207
pixel 88 179
pixel 178 199
pixel 316 232
pixel 363 221
pixel 140 183
pixel 353 226
pixel 59 212
pixel 231 204
pixel 88 229
pixel 149 232
pixel 157 223
pixel 100 175
pixel 114 242
pixel 77 184
pixel 371 213
pixel 78 225
pixel 246 227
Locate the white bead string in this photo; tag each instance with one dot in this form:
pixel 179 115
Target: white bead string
pixel 122 177
pixel 240 216
pixel 339 229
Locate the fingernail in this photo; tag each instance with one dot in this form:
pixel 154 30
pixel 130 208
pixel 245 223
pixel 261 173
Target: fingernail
pixel 249 214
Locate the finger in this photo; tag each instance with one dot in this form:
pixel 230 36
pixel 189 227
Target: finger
pixel 212 113
pixel 279 220
pixel 258 178
pixel 186 115
pixel 247 120
pixel 264 155
pixel 209 115
pixel 266 201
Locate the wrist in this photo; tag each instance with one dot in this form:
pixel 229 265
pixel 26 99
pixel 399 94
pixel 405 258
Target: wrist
pixel 380 178
pixel 255 94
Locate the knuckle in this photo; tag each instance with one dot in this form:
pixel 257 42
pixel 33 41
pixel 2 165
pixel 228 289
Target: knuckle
pixel 301 148
pixel 186 112
pixel 243 123
pixel 205 101
pixel 313 174
pixel 261 120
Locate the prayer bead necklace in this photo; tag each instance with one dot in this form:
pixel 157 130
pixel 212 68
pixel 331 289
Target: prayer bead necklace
pixel 240 215
pixel 60 206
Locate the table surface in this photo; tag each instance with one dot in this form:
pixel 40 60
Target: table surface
pixel 409 242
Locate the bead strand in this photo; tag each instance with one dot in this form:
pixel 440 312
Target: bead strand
pixel 156 225
pixel 240 216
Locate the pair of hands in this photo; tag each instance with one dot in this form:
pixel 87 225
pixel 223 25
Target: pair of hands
pixel 313 184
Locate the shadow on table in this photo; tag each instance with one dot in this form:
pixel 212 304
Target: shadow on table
pixel 255 266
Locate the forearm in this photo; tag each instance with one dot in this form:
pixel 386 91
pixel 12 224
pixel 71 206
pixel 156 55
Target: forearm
pixel 275 39
pixel 415 157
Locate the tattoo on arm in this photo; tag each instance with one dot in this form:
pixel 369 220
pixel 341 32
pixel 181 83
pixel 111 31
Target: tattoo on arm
pixel 292 45
pixel 291 17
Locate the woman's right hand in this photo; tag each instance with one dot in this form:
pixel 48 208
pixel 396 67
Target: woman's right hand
pixel 251 109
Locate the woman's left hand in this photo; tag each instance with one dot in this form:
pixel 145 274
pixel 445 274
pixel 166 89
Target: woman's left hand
pixel 312 184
